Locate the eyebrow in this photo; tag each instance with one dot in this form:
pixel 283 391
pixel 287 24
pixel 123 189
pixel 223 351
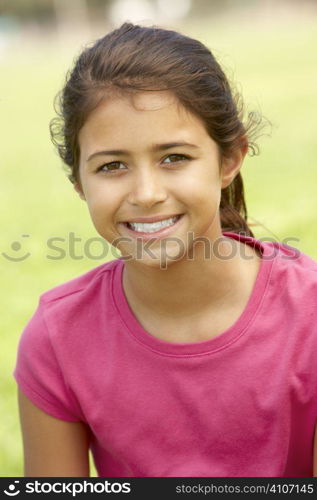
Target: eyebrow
pixel 154 148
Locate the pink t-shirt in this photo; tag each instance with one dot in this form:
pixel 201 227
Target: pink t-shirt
pixel 243 403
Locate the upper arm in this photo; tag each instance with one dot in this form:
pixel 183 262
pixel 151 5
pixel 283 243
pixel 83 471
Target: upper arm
pixel 315 454
pixel 52 447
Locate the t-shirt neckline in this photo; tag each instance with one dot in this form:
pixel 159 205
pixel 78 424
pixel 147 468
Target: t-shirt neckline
pixel 214 344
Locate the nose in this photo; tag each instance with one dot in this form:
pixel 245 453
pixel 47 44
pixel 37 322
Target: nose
pixel 147 189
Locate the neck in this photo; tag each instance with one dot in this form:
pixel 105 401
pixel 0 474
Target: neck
pixel 187 288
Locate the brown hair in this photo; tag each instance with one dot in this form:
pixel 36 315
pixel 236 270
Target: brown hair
pixel 133 58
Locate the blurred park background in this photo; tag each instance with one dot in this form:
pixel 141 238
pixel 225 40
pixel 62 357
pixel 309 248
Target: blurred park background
pixel 268 48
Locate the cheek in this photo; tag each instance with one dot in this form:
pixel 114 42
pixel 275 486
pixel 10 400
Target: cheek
pixel 99 210
pixel 202 192
pixel 99 196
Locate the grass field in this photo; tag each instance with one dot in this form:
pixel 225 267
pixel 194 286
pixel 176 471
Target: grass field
pixel 276 69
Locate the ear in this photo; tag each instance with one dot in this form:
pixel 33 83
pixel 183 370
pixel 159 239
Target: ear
pixel 231 165
pixel 79 190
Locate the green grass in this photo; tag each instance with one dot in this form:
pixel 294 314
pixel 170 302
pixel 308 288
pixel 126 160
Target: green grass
pixel 277 72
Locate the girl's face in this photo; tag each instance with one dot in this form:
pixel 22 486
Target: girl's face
pixel 147 156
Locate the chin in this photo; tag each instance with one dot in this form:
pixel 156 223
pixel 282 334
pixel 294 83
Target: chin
pixel 160 261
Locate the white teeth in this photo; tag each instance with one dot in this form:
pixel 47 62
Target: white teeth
pixel 151 228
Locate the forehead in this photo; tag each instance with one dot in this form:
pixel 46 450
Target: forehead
pixel 152 100
pixel 139 116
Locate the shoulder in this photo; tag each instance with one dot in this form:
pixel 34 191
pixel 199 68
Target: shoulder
pixel 284 260
pixel 81 296
pixel 292 285
pixel 70 313
pixel 290 275
pixel 82 284
pixel 69 318
pixel 291 266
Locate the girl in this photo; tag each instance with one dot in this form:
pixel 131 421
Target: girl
pixel 194 353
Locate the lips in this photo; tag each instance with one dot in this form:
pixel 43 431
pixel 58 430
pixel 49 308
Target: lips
pixel 158 225
pixel 155 234
pixel 149 220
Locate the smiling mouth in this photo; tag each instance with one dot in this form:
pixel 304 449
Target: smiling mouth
pixel 152 229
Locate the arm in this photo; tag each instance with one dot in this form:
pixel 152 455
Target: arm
pixel 52 447
pixel 315 454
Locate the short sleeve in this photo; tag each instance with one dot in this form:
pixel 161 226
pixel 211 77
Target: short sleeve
pixel 38 374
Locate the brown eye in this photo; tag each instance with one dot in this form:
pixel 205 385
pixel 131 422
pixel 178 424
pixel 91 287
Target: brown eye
pixel 110 167
pixel 175 158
